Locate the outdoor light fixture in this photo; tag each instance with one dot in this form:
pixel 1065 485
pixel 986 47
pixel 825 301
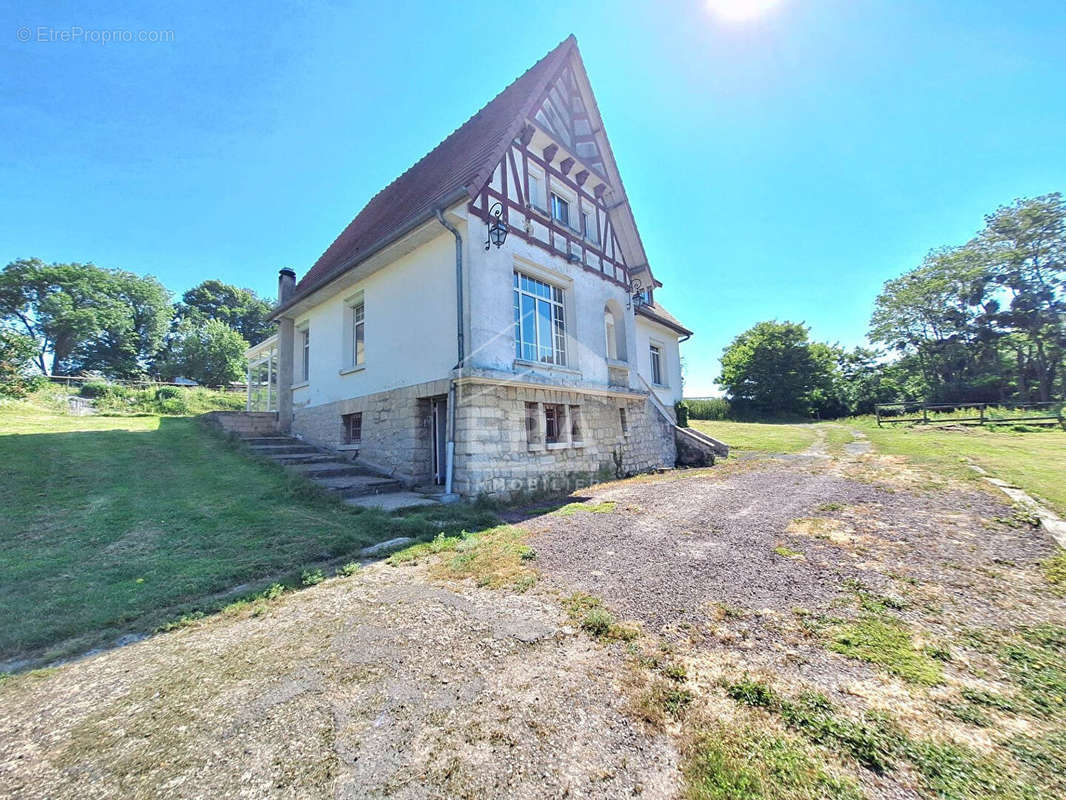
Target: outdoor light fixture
pixel 636 294
pixel 497 227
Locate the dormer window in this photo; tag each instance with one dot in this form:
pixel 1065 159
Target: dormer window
pixel 560 210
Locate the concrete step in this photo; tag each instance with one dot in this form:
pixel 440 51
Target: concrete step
pixel 328 469
pixel 281 449
pixel 391 501
pixel 253 441
pixel 294 459
pixel 358 485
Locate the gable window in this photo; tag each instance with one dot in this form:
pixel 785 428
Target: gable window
pixel 657 376
pixel 588 227
pixel 358 311
pixel 536 191
pixel 539 325
pixel 305 355
pixel 353 427
pixel 560 210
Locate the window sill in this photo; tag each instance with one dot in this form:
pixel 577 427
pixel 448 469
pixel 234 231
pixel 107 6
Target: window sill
pixel 300 385
pixel 660 385
pixel 350 370
pixel 577 444
pixel 557 445
pixel 614 362
pixel 535 448
pixel 545 366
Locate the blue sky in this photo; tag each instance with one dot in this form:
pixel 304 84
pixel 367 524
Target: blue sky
pixel 781 167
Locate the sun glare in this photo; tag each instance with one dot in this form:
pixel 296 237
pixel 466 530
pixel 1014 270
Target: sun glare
pixel 740 10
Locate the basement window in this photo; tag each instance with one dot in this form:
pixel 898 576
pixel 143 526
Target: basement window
pixel 353 427
pixel 553 423
pixel 624 421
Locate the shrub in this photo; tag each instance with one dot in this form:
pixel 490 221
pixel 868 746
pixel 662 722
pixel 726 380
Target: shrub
pixel 714 408
pixel 95 389
pixel 681 410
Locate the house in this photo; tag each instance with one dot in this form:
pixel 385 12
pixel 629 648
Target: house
pixel 489 321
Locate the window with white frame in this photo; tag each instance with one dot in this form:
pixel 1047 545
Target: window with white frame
pixel 560 209
pixel 305 355
pixel 536 190
pixel 658 376
pixel 539 321
pixel 358 311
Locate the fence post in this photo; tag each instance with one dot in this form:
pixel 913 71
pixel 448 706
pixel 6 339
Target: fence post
pixel 925 414
pixel 877 411
pixel 981 408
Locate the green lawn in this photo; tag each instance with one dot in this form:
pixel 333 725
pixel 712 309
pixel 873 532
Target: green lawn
pixel 758 436
pixel 114 524
pixel 1033 460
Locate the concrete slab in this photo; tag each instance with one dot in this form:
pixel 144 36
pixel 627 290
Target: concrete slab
pixel 391 501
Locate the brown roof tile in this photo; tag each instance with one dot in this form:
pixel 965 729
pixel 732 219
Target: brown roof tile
pixel 464 160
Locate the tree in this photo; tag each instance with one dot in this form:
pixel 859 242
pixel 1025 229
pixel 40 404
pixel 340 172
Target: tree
pixel 210 353
pixel 241 309
pixel 772 368
pixel 17 351
pixel 985 321
pixel 1023 250
pixel 84 317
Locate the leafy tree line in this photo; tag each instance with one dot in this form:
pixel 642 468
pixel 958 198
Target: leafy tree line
pixel 68 319
pixel 980 322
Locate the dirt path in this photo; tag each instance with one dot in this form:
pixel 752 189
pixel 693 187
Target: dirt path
pixel 376 685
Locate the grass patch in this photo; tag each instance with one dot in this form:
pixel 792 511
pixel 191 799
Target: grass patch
pixel 1035 461
pixel 787 552
pixel 873 741
pixel 118 524
pixel 744 763
pixel 947 770
pixel 758 437
pixel 589 613
pixel 889 644
pixel 570 509
pixel 1054 569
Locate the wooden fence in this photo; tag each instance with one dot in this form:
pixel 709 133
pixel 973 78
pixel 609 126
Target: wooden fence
pixel 1049 413
pixel 78 380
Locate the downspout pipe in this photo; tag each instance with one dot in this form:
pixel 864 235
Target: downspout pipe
pixel 449 448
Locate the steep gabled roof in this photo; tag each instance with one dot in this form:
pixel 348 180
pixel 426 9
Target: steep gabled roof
pixel 463 162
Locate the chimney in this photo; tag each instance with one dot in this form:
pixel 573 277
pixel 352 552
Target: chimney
pixel 286 284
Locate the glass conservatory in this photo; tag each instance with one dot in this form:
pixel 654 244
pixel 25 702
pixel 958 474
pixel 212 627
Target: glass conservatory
pixel 263 375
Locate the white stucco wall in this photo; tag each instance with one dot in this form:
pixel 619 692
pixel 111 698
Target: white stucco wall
pixel 410 329
pixel 649 332
pixel 491 326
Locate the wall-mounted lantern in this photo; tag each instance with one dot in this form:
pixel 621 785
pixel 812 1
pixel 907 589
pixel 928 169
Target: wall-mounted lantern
pixel 498 229
pixel 637 296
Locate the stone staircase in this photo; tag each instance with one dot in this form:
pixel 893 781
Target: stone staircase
pixel 357 484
